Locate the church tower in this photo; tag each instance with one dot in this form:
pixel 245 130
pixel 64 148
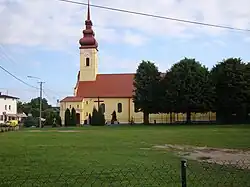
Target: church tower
pixel 88 52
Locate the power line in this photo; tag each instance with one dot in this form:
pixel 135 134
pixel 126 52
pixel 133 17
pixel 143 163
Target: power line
pixel 17 78
pixel 5 55
pixel 10 59
pixel 157 16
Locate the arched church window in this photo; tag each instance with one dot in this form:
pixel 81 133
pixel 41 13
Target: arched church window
pixel 102 107
pixel 119 108
pixel 87 61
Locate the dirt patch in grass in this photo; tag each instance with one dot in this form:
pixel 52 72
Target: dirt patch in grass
pixel 35 131
pixel 69 131
pixel 236 157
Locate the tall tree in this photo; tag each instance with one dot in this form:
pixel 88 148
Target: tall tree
pixel 146 95
pixel 230 79
pixel 20 107
pixel 73 117
pixel 168 93
pixel 188 88
pixel 98 118
pixel 101 116
pixel 67 118
pixel 94 120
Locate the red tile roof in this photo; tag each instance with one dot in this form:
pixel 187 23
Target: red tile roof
pixel 72 99
pixel 107 85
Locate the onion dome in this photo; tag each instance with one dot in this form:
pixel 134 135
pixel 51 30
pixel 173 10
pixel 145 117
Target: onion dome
pixel 88 40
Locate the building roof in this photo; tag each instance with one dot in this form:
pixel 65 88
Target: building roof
pixel 72 99
pixel 107 85
pixel 7 96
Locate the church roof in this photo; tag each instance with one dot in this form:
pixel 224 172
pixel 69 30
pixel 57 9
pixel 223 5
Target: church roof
pixel 107 85
pixel 72 99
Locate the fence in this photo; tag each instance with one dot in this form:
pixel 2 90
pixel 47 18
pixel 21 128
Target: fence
pixel 184 174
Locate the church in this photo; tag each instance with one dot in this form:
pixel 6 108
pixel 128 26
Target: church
pixel 111 92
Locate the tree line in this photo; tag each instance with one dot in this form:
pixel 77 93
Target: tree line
pixel 190 87
pixel 32 109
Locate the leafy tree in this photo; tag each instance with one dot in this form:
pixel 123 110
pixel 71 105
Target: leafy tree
pixel 147 83
pixel 67 118
pixel 73 117
pixel 49 119
pixel 33 106
pixel 20 107
pixel 168 104
pixel 35 112
pixel 114 117
pixel 247 89
pixel 35 103
pixel 188 88
pixel 230 79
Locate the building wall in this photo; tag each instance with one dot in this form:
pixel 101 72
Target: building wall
pixel 77 105
pixel 111 104
pixel 88 73
pixel 11 107
pixel 128 111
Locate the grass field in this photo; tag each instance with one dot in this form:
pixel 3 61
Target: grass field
pixel 118 156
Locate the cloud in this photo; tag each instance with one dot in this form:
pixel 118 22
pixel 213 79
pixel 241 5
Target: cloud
pixel 134 39
pixel 111 64
pixel 54 24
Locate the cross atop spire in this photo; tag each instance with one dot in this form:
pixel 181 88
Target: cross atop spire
pixel 88 16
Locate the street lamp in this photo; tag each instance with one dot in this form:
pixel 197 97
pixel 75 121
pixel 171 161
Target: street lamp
pixel 41 92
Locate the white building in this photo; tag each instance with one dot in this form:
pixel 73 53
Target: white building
pixel 8 108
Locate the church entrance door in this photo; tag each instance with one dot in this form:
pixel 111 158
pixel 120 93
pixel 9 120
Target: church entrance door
pixel 78 118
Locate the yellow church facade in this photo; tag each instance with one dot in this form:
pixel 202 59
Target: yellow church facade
pixel 112 92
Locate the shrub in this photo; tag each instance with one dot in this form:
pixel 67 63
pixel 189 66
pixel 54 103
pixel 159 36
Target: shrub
pixel 90 119
pixel 73 120
pixel 30 121
pixel 98 118
pixel 114 117
pixel 101 117
pixel 67 120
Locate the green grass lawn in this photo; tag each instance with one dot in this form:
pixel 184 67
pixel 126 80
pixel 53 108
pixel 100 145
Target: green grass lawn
pixel 113 156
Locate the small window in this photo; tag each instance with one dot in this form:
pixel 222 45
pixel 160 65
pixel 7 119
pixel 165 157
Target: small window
pixel 69 106
pixel 87 102
pixel 9 107
pixel 87 61
pixel 119 108
pixel 5 107
pixel 1 117
pixel 87 114
pixel 77 106
pixel 102 107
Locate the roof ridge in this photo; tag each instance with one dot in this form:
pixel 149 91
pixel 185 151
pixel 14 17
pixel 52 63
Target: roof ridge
pixel 116 74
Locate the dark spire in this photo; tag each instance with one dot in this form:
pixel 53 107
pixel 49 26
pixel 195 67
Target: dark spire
pixel 88 40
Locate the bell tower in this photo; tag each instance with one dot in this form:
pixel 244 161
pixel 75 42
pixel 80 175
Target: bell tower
pixel 88 52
